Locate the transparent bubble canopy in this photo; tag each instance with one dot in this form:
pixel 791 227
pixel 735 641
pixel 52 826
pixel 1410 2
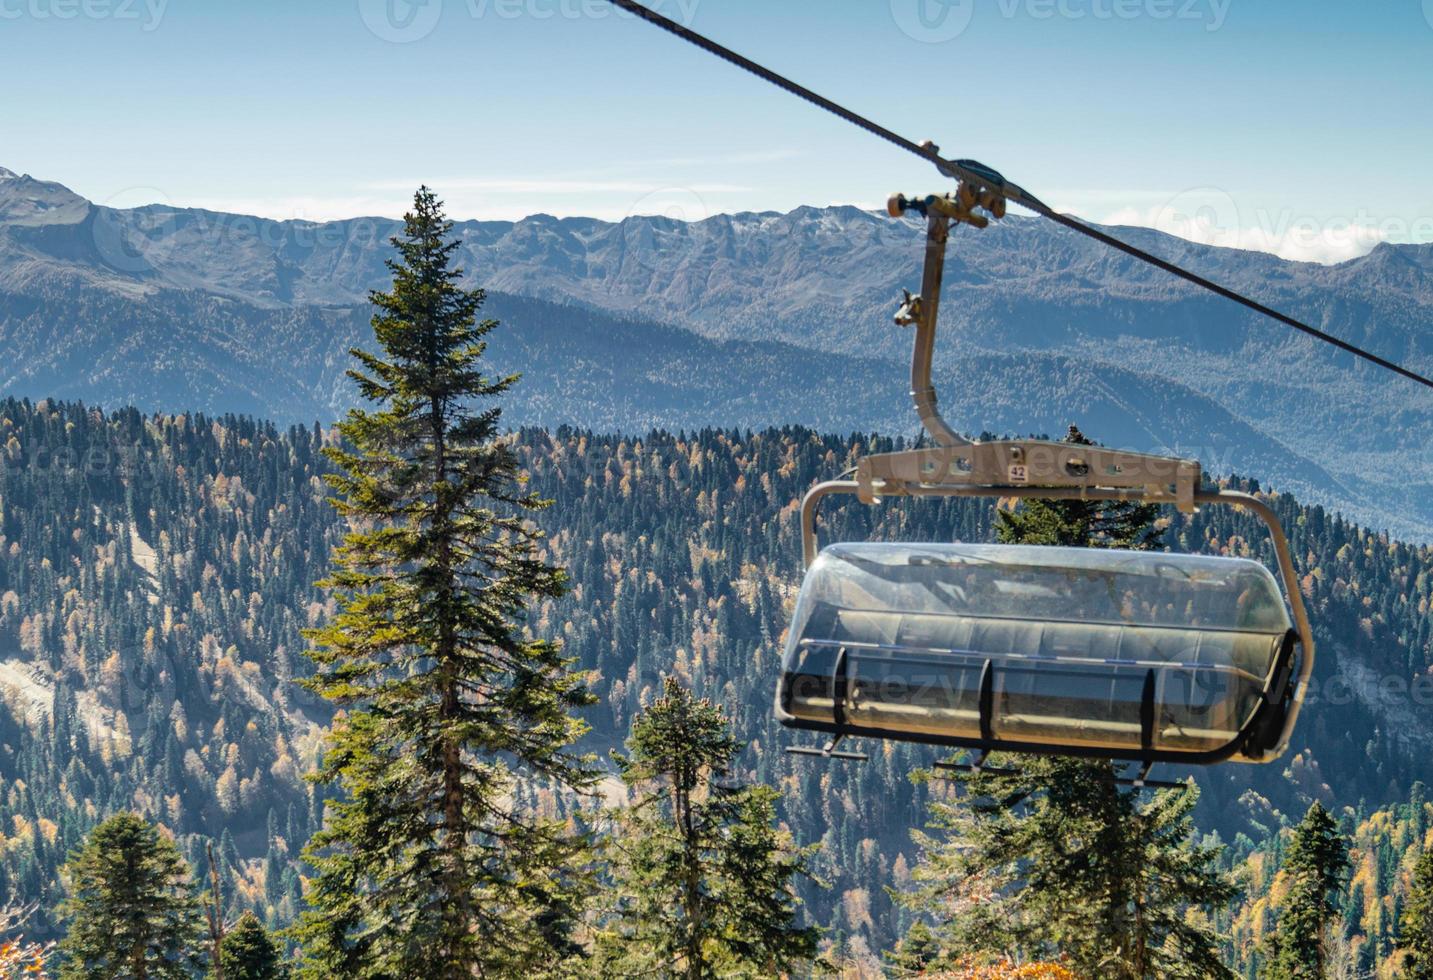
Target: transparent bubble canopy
pixel 1116 652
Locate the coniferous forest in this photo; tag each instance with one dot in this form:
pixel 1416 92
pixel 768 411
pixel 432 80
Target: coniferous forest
pixel 184 707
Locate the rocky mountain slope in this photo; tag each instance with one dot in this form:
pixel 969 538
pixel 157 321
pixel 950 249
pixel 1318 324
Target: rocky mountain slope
pixel 748 320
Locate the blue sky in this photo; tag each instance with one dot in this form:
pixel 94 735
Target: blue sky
pixel 1303 128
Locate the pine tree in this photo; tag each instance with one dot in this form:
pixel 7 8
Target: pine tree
pixel 132 912
pixel 1315 861
pixel 702 880
pixel 1056 860
pixel 250 953
pixel 1175 884
pixel 1416 926
pixel 451 711
pixel 918 950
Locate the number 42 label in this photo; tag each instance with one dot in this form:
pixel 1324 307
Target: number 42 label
pixel 1018 473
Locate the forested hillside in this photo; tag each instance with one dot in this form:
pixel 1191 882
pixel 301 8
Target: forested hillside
pixel 155 572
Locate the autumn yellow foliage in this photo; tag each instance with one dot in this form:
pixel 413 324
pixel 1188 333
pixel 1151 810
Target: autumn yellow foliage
pixel 19 960
pixel 971 969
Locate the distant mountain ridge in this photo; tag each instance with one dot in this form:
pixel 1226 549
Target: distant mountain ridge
pixel 750 319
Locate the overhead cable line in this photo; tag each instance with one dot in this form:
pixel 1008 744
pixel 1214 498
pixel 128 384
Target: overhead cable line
pixel 978 173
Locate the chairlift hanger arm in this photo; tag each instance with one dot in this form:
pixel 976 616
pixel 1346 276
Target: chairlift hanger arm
pixel 922 312
pixel 957 460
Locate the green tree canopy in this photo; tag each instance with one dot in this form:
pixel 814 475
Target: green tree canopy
pixel 428 863
pixel 132 912
pixel 1056 861
pixel 702 880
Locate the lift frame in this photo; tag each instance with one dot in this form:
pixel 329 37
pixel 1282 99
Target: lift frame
pixel 1031 469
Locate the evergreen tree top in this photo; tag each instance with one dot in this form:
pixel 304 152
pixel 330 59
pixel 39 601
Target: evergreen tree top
pixel 248 952
pixel 132 912
pixel 678 736
pixel 1317 848
pixel 702 880
pixel 432 852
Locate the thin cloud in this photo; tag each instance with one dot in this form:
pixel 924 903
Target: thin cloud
pixel 1300 242
pixel 723 159
pixel 1215 221
pixel 548 185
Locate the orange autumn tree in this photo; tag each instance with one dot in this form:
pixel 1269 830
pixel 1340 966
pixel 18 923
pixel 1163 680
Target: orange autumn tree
pixel 19 957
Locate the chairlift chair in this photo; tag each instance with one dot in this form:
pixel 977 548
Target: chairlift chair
pixel 1142 656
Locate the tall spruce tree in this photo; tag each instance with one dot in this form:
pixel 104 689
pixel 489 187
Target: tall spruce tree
pixel 1416 926
pixel 132 911
pixel 1316 858
pixel 1056 860
pixel 702 880
pixel 428 864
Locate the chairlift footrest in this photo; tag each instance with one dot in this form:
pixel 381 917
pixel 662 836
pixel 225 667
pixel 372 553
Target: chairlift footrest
pixel 1151 783
pixel 827 753
pixel 1138 782
pixel 972 767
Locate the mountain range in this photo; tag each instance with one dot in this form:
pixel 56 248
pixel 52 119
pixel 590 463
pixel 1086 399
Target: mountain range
pixel 747 320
